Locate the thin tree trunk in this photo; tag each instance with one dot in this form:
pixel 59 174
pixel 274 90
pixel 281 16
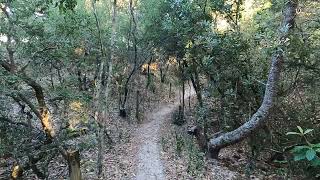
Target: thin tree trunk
pixel 80 80
pixel 198 86
pixel 148 74
pixel 170 90
pixel 100 103
pixel 183 95
pixel 189 98
pixel 98 91
pixel 195 82
pixel 107 86
pixel 132 31
pixel 137 106
pixel 260 117
pixel 51 75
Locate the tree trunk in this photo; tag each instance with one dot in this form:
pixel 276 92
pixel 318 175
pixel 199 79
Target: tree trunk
pixel 97 102
pixel 170 90
pixel 107 87
pixel 73 158
pixel 41 111
pixel 148 74
pixel 195 82
pixel 100 145
pixel 132 31
pixel 163 71
pixel 162 75
pixel 189 98
pixel 101 103
pixel 183 100
pixel 137 106
pixel 260 117
pixel 182 79
pixel 200 137
pixel 80 80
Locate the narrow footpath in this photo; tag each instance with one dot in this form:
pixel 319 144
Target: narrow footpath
pixel 150 166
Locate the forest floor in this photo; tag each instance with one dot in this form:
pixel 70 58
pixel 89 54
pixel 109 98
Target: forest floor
pixel 147 151
pixel 156 149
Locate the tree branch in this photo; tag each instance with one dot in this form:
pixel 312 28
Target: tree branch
pixel 259 118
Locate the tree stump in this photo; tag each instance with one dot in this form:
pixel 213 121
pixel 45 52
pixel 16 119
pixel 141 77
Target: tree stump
pixel 73 158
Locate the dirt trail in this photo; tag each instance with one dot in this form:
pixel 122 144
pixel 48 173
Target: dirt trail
pixel 150 166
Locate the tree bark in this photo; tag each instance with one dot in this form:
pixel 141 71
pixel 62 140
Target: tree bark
pixel 73 158
pixel 260 117
pixel 97 102
pixel 103 86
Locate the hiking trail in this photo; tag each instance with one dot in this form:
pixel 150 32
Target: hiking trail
pixel 150 166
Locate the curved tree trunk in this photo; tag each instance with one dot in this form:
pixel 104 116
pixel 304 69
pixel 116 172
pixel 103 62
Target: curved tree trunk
pixel 259 118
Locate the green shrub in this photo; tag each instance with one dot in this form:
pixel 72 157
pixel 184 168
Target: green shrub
pixel 308 153
pixel 178 117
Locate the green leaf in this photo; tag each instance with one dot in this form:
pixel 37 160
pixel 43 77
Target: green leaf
pixel 299 157
pixel 300 129
pixel 316 145
pixel 310 154
pixel 315 161
pixel 317 150
pixel 293 133
pixel 298 149
pixel 308 131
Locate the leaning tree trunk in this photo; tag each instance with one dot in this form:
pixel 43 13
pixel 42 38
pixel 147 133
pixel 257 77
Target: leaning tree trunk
pixel 260 117
pixel 41 111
